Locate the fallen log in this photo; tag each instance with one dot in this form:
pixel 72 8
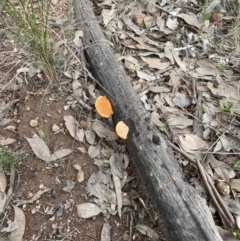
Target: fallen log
pixel 185 214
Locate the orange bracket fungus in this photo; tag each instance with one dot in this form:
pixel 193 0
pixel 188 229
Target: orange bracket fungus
pixel 103 106
pixel 122 130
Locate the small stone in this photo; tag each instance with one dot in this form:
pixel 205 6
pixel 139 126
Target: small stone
pixel 47 114
pixel 41 186
pixel 30 195
pixel 81 149
pixel 28 108
pixel 66 107
pixel 11 128
pixel 223 188
pixel 33 211
pixel 55 127
pixel 33 123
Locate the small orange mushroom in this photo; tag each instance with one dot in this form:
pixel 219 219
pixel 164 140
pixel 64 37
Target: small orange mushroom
pixel 122 130
pixel 103 106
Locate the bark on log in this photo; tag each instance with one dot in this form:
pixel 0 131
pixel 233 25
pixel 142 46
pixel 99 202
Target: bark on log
pixel 185 213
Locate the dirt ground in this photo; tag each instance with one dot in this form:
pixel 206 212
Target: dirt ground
pixel 53 216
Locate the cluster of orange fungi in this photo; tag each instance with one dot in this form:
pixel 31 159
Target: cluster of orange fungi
pixel 104 109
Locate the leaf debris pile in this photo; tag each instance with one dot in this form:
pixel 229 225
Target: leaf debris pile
pixel 182 63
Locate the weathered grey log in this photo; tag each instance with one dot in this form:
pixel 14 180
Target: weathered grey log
pixel 185 213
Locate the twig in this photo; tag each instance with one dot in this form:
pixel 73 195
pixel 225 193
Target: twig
pixel 149 214
pixel 83 62
pixel 131 228
pixel 210 191
pixel 44 94
pixel 219 199
pixel 198 112
pixel 91 236
pixel 221 207
pixel 10 190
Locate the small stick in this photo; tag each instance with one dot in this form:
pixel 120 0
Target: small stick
pixel 206 182
pixel 212 191
pixel 131 228
pixel 219 199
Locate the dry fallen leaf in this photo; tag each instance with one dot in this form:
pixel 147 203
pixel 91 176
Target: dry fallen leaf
pixel 105 234
pixel 42 151
pixel 103 132
pixel 190 19
pixel 90 136
pixel 235 184
pixel 19 218
pixel 192 142
pixel 88 210
pixel 94 151
pixel 6 141
pixel 3 180
pixel 144 229
pixel 3 199
pixel 73 128
pixel 118 189
pixel 155 63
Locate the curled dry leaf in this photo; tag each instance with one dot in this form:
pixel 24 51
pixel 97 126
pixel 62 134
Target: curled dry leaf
pixel 105 234
pixel 192 142
pixel 117 164
pixel 73 128
pixel 88 210
pixel 144 229
pixel 19 218
pixel 103 132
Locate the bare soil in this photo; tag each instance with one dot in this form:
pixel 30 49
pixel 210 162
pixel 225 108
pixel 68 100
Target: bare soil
pixel 53 216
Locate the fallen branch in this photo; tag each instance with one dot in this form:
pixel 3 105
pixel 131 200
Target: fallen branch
pixel 185 214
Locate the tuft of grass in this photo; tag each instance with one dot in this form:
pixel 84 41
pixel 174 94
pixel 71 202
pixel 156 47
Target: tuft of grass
pixel 237 232
pixel 237 164
pixel 7 158
pixel 205 15
pixel 31 32
pixel 228 108
pixel 221 68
